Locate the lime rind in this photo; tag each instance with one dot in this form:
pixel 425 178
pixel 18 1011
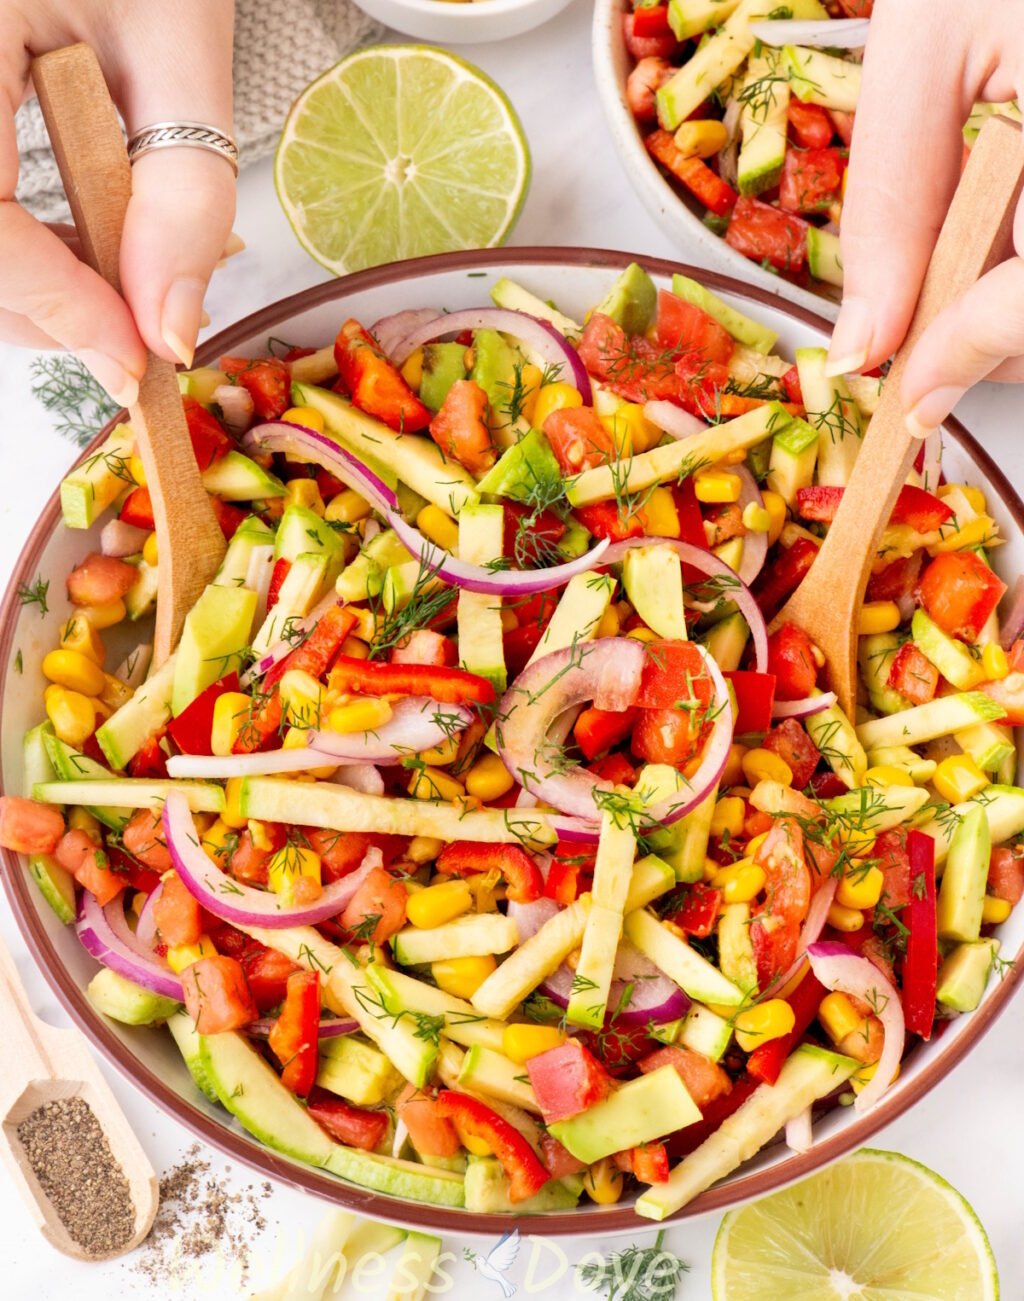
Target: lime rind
pixel 400 151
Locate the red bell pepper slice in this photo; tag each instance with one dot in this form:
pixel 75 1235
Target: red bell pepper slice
pixel 767 1059
pixel 651 20
pixel 920 966
pixel 605 519
pixel 228 517
pixel 697 913
pixel 648 1164
pixel 658 45
pixel 149 760
pixel 597 730
pixel 809 124
pixel 519 871
pixel 217 996
pixel 685 1141
pixel 791 379
pixel 615 768
pixel 374 384
pixel 210 440
pixel 755 695
pixel 294 1035
pixel 137 509
pixel 570 874
pixel 353 1126
pixel 567 1080
pixel 791 659
pixel 912 675
pixel 461 429
pixel 922 510
pixel 526 1175
pixel 373 678
pixel 192 729
pixel 277 576
pixel 706 185
pixel 268 381
pixel 789 740
pixel 763 233
pixel 779 581
pixel 691 524
pixel 959 591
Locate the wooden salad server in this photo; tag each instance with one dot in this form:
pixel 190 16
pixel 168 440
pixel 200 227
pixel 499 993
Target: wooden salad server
pixel 976 235
pixel 93 162
pixel 42 1064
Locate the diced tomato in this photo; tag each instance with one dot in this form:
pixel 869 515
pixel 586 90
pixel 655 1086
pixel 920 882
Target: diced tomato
pixel 775 928
pixel 643 84
pixel 191 730
pixel 278 574
pixel 673 671
pixel 697 912
pixel 618 1047
pixel 353 1126
pixel 826 786
pixel 923 511
pixel 665 736
pixel 755 695
pixel 228 517
pixel 570 874
pixel 791 383
pixel 598 730
pixel 517 868
pixel 100 580
pixel 137 509
pixel 706 186
pixel 374 384
pixel 605 519
pixel 812 179
pixel 558 1161
pixel 959 591
pixel 651 20
pixel 578 439
pixel 340 852
pixel 266 973
pixel 530 536
pixel 327 483
pixel 28 827
pixel 789 740
pixel 229 941
pixel 704 1079
pixel 684 328
pixel 84 858
pixel 629 365
pixel 216 995
pixel 1006 875
pixel 779 581
pixel 210 440
pixel 526 1175
pixel 149 760
pixel 647 1164
pixel 143 839
pixel 660 45
pixel 431 1133
pixel 461 430
pixel 765 234
pixel 857 8
pixel 424 646
pixel 250 864
pixel 567 1080
pixel 176 912
pixel 809 124
pixel 843 123
pixel 912 675
pixel 889 854
pixel 295 1034
pixel 791 659
pixel 615 768
pixel 268 381
pixel 897 579
pixel 519 643
pixel 379 896
pixel 1009 695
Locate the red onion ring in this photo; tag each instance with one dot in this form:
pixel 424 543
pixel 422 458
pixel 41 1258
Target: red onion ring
pixel 119 539
pixel 805 708
pixel 239 904
pixel 839 33
pixel 330 1028
pixel 673 420
pixel 654 996
pixel 236 406
pixel 540 336
pixel 282 649
pixel 755 545
pixel 103 936
pixel 838 968
pixel 282 436
pixel 145 927
pixel 362 777
pixel 389 331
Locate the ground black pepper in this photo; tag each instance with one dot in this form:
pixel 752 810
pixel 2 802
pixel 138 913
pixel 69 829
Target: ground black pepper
pixel 70 1156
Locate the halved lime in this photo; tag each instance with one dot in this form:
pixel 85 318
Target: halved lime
pixel 875 1227
pixel 398 151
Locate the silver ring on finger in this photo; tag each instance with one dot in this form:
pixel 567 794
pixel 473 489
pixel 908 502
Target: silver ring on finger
pixel 189 135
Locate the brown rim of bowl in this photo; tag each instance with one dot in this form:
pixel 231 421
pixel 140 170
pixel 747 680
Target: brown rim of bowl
pixel 217 1134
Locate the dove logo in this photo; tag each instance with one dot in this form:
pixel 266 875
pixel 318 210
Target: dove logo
pixel 498 1261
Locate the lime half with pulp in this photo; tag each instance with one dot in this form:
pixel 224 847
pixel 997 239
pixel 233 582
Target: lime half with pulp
pixel 875 1227
pixel 399 151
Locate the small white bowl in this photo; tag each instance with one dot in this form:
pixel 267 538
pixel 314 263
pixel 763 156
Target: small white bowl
pixel 462 22
pixel 677 215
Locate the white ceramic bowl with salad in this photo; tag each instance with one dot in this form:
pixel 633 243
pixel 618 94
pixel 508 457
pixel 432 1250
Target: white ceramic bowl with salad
pixel 432 1029
pixel 463 22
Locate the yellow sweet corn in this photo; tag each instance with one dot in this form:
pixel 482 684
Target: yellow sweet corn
pixel 488 888
pixel 728 817
pixel 521 1042
pixel 297 738
pixel 608 625
pixel 764 1021
pixel 106 615
pixel 758 519
pixel 72 714
pixel 412 370
pixel 863 1074
pixel 217 841
pixel 603 1182
pixel 440 756
pixel 462 976
pixel 423 849
pixel 776 508
pixel 230 712
pixel 755 843
pixel 994 662
pixel 434 524
pixel 642 634
pixel 150 551
pixel 887 774
pixel 304 492
pixel 660 514
pixel 732 773
pixel 860 887
pixel 78 634
pixel 474 1146
pixel 439 903
pixel 711 870
pixel 232 814
pixel 717 486
pixel 980 531
pixel 72 669
pixel 433 784
pixel 877 616
pixel 307 416
pixel 347 507
pixel 301 698
pixel 355 648
pixel 553 397
pixel 994 911
pixel 959 778
pixel 80 819
pixel 489 779
pixel 741 882
pixel 838 1017
pixel 180 956
pixel 702 138
pixel 290 865
pixel 364 714
pixel 765 765
pixel 137 470
pixel 845 919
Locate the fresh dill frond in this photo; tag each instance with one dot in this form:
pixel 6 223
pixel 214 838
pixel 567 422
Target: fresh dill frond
pixel 78 402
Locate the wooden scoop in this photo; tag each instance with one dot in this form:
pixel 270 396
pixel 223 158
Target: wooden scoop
pixel 39 1065
pixel 93 162
pixel 975 236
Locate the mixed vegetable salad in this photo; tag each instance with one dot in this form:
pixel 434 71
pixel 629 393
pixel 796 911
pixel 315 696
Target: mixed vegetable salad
pixel 478 842
pixel 748 107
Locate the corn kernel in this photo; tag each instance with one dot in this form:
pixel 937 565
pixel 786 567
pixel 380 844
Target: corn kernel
pixel 554 397
pixel 765 765
pixel 115 693
pixel 230 712
pixel 355 648
pixel 434 524
pixel 307 416
pixel 608 625
pixel 728 817
pixel 72 714
pixel 412 371
pixel 603 1182
pixel 180 956
pixel 440 756
pixel 702 138
pixel 365 714
pixel 887 774
pixel 959 778
pixel 232 816
pixel 462 976
pixel 297 738
pixel 217 841
pixel 758 519
pixel 755 843
pixel 994 662
pixel 711 870
pixel 845 919
pixel 104 616
pixel 776 508
pixel 433 784
pixel 78 634
pixel 301 697
pixel 75 671
pixel 877 616
pixel 660 514
pixel 489 779
pixel 474 1146
pixel 80 819
pixel 289 868
pixel 521 1042
pixel 305 493
pixel 732 773
pixel 137 470
pixel 642 634
pixel 630 430
pixel 861 1077
pixel 346 508
pixel 440 903
pixel 150 551
pixel 860 887
pixel 717 486
pixel 488 888
pixel 838 1017
pixel 745 882
pixel 423 849
pixel 994 911
pixel 764 1021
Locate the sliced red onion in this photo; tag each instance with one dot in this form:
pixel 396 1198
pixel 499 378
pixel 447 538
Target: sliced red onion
pixel 931 464
pixel 321 449
pixel 282 649
pixel 239 904
pixel 145 927
pixel 119 539
pixel 1011 625
pixel 389 331
pixel 557 734
pixel 733 587
pixel 530 917
pixel 362 777
pixel 906 606
pixel 838 968
pixel 104 936
pixel 822 33
pixel 799 1133
pixel 539 336
pixel 330 1027
pixel 673 420
pixel 268 763
pixel 755 545
pixel 133 669
pixel 236 406
pixel 654 997
pixel 805 708
pixel 257 579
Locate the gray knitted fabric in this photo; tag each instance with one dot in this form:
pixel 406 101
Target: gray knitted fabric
pixel 280 46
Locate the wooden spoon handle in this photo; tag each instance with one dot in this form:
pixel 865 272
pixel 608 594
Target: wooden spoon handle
pixel 93 162
pixel 23 1035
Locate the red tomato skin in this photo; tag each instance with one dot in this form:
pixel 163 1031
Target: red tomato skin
pixel 809 124
pixel 137 509
pixel 267 380
pixel 84 858
pixel 791 659
pixel 673 671
pixel 697 913
pixel 665 736
pixel 578 439
pixel 380 894
pixel 811 180
pixel 759 231
pixel 789 740
pixel 959 591
pixel 1009 695
pixel 567 1080
pixel 28 827
pixel 143 839
pixel 266 973
pixel 460 427
pixel 100 580
pixel 216 995
pixel 912 675
pixel 353 1126
pixel 1006 875
pixel 704 1079
pixel 210 440
pixel 685 329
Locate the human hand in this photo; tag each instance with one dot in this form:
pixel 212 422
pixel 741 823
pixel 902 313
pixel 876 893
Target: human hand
pixel 163 62
pixel 927 62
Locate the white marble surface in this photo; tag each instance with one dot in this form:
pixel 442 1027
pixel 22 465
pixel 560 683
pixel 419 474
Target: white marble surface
pixel 969 1129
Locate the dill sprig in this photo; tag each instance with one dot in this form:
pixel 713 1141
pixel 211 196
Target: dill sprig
pixel 35 595
pixel 78 402
pixel 429 598
pixel 638 1273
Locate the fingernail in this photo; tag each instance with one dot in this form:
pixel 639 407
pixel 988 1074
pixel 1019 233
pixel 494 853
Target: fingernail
pixel 926 415
pixel 235 244
pixel 179 323
pixel 851 338
pixel 122 386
